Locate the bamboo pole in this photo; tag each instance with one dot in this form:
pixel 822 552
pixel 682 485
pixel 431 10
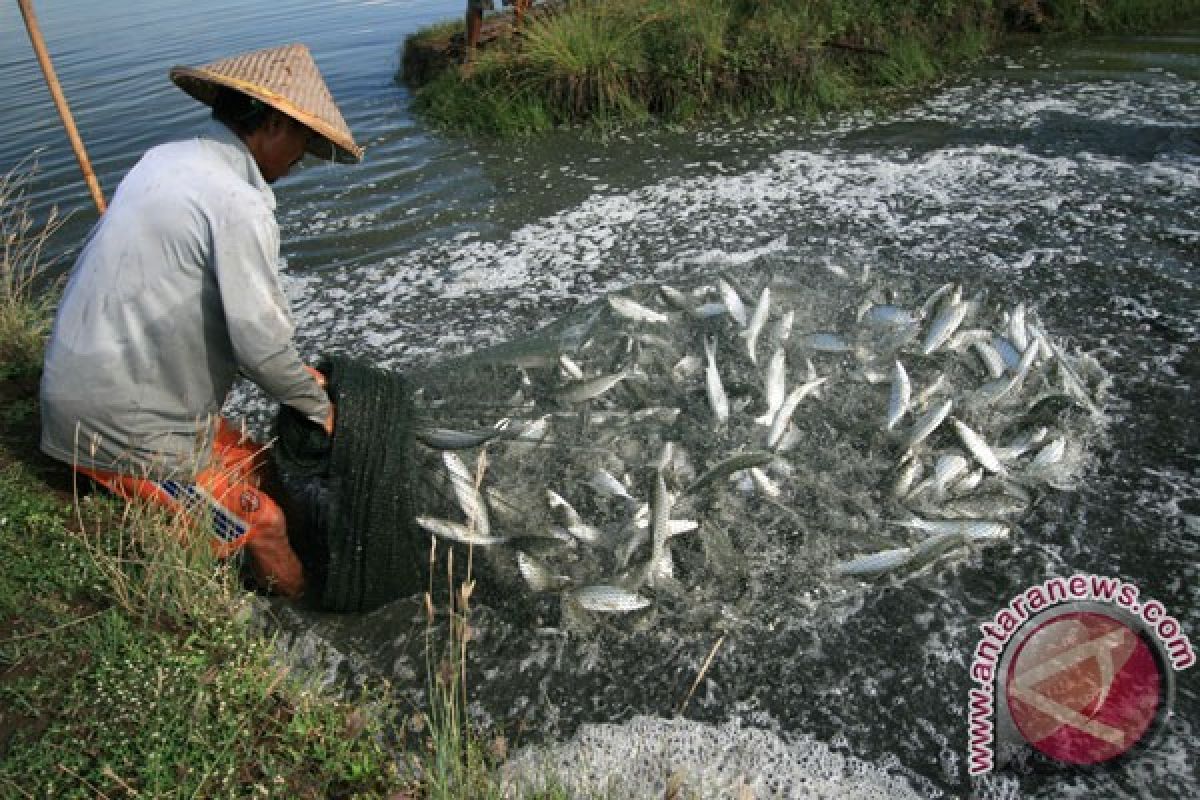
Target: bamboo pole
pixel 60 102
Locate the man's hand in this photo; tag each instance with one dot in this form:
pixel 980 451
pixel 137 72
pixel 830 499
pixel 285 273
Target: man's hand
pixel 319 377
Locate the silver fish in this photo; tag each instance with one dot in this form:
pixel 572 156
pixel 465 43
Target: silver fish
pixel 943 326
pixel 887 316
pixel 708 310
pixel 935 298
pixel 606 483
pixel 664 415
pixel 934 547
pixel 927 424
pixel 1052 453
pixel 948 469
pixel 993 362
pixel 909 473
pixel 810 372
pixel 686 367
pixel 783 328
pixel 465 491
pixel 733 301
pixel 1017 332
pixel 974 529
pixel 784 415
pixel 776 385
pixel 826 342
pixel 589 534
pixel 875 562
pixel 899 397
pixel 611 599
pixel 539 577
pixel 921 399
pixel 573 522
pixel 666 457
pixel 1005 387
pixel 675 298
pixel 764 482
pixel 458 532
pixel 965 337
pixel 569 368
pixel 757 320
pixel 1071 380
pixel 718 401
pixel 1020 445
pixel 635 311
pixel 569 514
pixel 754 458
pixel 1010 354
pixel 534 431
pixel 994 504
pixel 838 270
pixel 969 481
pixel 583 391
pixel 678 527
pixel 871 375
pixel 660 514
pixel 1036 334
pixel 502 506
pixel 447 439
pixel 978 448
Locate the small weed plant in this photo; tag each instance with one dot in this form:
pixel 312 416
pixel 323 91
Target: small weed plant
pixel 24 307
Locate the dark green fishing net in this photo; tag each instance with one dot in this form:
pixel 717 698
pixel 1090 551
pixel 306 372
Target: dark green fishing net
pixel 348 498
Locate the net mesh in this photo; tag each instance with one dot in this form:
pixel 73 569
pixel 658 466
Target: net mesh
pixel 544 455
pixel 348 498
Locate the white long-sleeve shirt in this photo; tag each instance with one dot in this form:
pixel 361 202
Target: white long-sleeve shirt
pixel 176 290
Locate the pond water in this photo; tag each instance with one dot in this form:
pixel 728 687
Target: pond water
pixel 1065 177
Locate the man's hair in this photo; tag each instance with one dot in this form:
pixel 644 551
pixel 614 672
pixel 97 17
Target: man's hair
pixel 240 112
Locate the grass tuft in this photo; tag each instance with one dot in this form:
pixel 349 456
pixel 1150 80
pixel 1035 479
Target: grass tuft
pixel 24 309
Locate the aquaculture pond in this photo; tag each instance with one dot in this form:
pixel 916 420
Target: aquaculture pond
pixel 1062 180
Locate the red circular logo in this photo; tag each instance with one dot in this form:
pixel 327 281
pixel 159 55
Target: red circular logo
pixel 1084 687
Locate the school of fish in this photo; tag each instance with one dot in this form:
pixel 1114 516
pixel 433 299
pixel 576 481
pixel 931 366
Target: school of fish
pixel 637 446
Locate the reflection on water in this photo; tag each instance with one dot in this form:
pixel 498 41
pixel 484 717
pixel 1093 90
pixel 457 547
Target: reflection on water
pixel 1063 177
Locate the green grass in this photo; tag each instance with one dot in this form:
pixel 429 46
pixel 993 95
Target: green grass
pixel 24 310
pixel 620 62
pixel 115 685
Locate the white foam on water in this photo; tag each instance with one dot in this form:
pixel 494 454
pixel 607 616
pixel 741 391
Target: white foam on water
pixel 637 759
pixel 953 204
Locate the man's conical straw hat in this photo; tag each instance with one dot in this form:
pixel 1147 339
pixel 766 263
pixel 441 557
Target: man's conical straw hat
pixel 285 78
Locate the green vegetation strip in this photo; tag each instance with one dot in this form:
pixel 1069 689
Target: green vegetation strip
pixel 615 62
pixel 110 690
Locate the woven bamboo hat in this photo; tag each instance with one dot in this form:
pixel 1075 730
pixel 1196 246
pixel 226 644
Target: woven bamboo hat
pixel 285 78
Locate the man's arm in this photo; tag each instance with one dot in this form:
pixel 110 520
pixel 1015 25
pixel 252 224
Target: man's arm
pixel 245 255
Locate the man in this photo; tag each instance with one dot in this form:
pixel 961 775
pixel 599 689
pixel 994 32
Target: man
pixel 177 291
pixel 474 20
